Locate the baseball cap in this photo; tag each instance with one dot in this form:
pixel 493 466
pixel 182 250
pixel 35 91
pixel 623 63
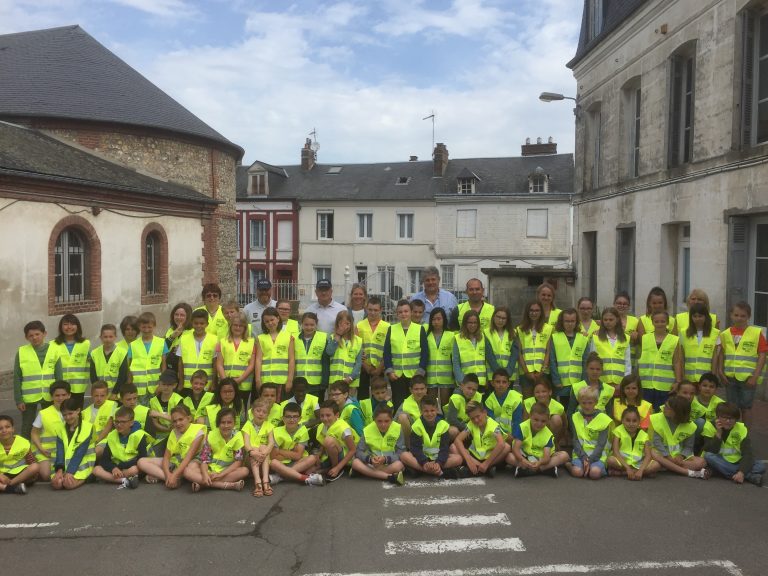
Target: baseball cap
pixel 323 284
pixel 263 284
pixel 169 377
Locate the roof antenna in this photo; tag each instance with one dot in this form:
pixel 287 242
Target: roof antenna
pixel 432 116
pixel 315 146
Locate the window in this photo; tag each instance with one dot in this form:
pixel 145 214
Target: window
pixel 322 272
pixel 386 279
pixel 403 181
pixel 335 170
pixel 448 277
pixel 258 184
pixel 284 238
pixel 682 105
pixel 237 232
pixel 537 225
pixel 154 265
pixel 625 261
pixel 405 226
pixel 760 274
pixel 254 275
pixel 414 280
pixel 365 226
pixel 683 265
pixel 594 135
pixel 258 234
pixel 361 272
pixel 466 223
pixel 325 225
pixel 70 266
pixel 538 181
pixel 151 269
pixel 754 96
pixel 595 17
pixel 466 185
pixel 631 127
pixel 589 265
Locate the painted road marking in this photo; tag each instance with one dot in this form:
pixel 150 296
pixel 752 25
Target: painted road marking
pixel 729 568
pixel 460 545
pixel 31 525
pixel 440 520
pixel 441 500
pixel 438 483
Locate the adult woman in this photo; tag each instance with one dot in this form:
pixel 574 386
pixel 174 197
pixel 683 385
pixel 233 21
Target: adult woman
pixel 358 298
pixel 180 322
pixel 545 296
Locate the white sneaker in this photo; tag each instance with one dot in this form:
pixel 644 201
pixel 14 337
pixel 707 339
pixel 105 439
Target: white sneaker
pixel 123 484
pixel 315 480
pixel 275 479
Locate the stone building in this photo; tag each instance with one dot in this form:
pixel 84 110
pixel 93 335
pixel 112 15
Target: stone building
pixel 116 199
pixel 671 158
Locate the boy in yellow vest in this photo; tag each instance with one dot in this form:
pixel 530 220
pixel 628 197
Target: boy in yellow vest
pixel 380 447
pixel 729 451
pixel 99 414
pixel 486 446
pixel 337 440
pixel 197 351
pixel 290 459
pixel 124 446
pixel 742 359
pixel 146 358
pixel 379 395
pixel 406 352
pixel 534 445
pixel 373 330
pixel 456 409
pixel 410 409
pixel 591 437
pixel 129 397
pixel 109 362
pixel 46 426
pixel 17 463
pixel 431 451
pixel 673 436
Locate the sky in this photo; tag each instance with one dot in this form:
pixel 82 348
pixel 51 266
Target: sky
pixel 361 74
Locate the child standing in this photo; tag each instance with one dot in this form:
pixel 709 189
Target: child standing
pixel 654 304
pixel 729 451
pixel 224 397
pixel 566 354
pixel 75 450
pixel 533 335
pixel 406 352
pixel 180 322
pixel 259 442
pixel 146 357
pixel 613 347
pixel 336 439
pixel 311 361
pixel 440 367
pixel 380 447
pixel 673 439
pixel 290 459
pixel 275 362
pixel 109 361
pixel 534 445
pixel 500 349
pixel 660 364
pixel 631 455
pixel 699 341
pixel 431 450
pixel 15 453
pixel 345 350
pixel 283 308
pixel 124 446
pixel 373 332
pixel 34 370
pixel 469 350
pixel 71 348
pixel 487 445
pixel 129 397
pixel 591 431
pixel 197 351
pixel 587 324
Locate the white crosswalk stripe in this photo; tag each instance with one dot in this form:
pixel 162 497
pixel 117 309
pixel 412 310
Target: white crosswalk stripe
pixel 440 500
pixel 458 545
pixel 438 520
pixel 432 484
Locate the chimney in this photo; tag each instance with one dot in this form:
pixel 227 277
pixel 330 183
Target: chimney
pixel 540 148
pixel 413 159
pixel 440 160
pixel 307 156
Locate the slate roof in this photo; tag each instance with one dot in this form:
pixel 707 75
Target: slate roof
pixel 497 176
pixel 614 13
pixel 28 153
pixel 65 73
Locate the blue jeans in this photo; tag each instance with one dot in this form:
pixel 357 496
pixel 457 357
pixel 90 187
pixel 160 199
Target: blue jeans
pixel 739 393
pixel 727 469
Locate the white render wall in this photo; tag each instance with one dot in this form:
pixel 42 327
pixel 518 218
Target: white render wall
pixel 25 229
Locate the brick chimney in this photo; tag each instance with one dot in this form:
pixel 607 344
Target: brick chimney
pixel 307 156
pixel 540 148
pixel 440 159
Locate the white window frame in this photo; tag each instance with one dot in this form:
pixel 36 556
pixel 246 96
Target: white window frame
pixel 465 185
pixel 323 218
pixel 401 225
pixel 414 279
pixel 65 249
pixel 365 225
pixel 254 275
pixel 683 265
pixel 322 271
pixel 536 213
pixel 595 131
pixel 448 276
pixel 386 279
pixel 257 240
pixel 681 127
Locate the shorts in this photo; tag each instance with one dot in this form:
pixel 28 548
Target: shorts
pixel 576 463
pixel 739 393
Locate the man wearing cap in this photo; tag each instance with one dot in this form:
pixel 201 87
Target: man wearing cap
pixel 254 310
pixel 325 307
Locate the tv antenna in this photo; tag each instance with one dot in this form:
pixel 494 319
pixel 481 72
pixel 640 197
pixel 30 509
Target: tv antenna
pixel 315 146
pixel 432 117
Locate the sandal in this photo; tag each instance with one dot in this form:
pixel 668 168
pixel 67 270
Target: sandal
pixel 267 489
pixel 258 491
pixel 234 485
pixel 195 487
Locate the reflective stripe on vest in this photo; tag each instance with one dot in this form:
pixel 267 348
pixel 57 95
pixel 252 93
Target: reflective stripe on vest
pixel 367 409
pixel 108 370
pixel 534 444
pixel 284 440
pixel 482 441
pixel 440 366
pixel 103 414
pixel 533 349
pixel 672 440
pixel 486 314
pixel 14 461
pixel 472 357
pixel 740 360
pixel 74 366
pixel 589 434
pixel 730 449
pixel 193 361
pixel 381 445
pixel 82 435
pixel 256 437
pixel 199 410
pixel 373 340
pixel 344 360
pixel 460 403
pixel 604 398
pixel 504 413
pixel 501 347
pixel 430 444
pixel 309 363
pixel 236 360
pixel 120 452
pixel 698 356
pixel 613 358
pixel 51 420
pixel 145 366
pixel 274 358
pixel 569 358
pixel 405 348
pixel 633 451
pixel 223 451
pixel 36 379
pixel 656 363
pixel 179 446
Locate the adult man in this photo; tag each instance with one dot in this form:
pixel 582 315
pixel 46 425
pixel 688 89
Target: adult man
pixel 325 307
pixel 476 301
pixel 432 295
pixel 254 310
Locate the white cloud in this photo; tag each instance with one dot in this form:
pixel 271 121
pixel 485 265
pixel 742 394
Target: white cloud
pixel 462 18
pixel 166 8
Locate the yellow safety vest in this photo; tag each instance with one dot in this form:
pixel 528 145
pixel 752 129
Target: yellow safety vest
pixel 570 358
pixel 292 327
pixel 631 449
pixel 730 449
pixel 593 327
pixel 483 441
pixel 74 366
pixel 154 404
pixel 257 436
pixel 534 444
pixel 236 360
pixel 698 356
pixel 120 452
pixel 588 434
pixel 193 361
pixel 36 379
pixel 145 366
pixel 373 340
pixel 103 415
pixel 179 446
pixel 379 444
pixel 405 348
pixel 367 409
pixel 140 414
pixel 631 326
pixel 14 461
pixel 440 366
pixel 335 431
pixel 672 440
pixel 177 341
pixel 645 409
pixel 698 410
pixel 533 349
pixel 486 314
pixel 683 320
pixel 199 410
pixel 555 408
pixel 472 357
pixel 613 358
pixel 212 410
pixel 606 393
pixel 82 435
pixel 223 450
pixel 504 413
pixel 648 323
pixel 217 323
pixel 284 440
pixel 274 358
pixel 554 314
pixel 501 347
pixel 741 361
pixel 656 363
pixel 344 359
pixel 411 407
pixel 307 407
pixel 460 404
pixel 51 420
pixel 309 363
pixel 430 444
pixel 108 370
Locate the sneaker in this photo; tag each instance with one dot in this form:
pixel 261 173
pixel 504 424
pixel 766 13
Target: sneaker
pixel 398 478
pixel 450 474
pixel 21 489
pixel 756 479
pixel 334 478
pixel 133 482
pixel 275 479
pixel 352 472
pixel 315 480
pixel 463 472
pixel 491 472
pixel 517 471
pixel 552 472
pixel 123 484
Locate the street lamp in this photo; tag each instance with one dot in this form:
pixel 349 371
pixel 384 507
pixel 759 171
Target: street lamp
pixel 553 96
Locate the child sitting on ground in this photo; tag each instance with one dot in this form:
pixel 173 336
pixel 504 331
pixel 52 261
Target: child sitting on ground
pixel 380 447
pixel 729 451
pixel 123 447
pixel 631 456
pixel 487 445
pixel 534 445
pixel 432 451
pixel 591 430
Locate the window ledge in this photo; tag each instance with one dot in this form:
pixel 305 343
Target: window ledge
pixel 74 307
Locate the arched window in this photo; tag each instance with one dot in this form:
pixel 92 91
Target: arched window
pixel 151 270
pixel 154 265
pixel 70 266
pixel 74 267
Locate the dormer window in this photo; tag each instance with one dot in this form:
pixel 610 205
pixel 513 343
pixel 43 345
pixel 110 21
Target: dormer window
pixel 403 180
pixel 538 181
pixel 465 182
pixel 257 184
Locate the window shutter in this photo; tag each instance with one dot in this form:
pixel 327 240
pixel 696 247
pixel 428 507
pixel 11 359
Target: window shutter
pixel 675 111
pixel 738 260
pixel 747 76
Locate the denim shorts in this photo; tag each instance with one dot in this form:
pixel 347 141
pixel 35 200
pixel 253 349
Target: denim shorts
pixel 739 393
pixel 576 463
